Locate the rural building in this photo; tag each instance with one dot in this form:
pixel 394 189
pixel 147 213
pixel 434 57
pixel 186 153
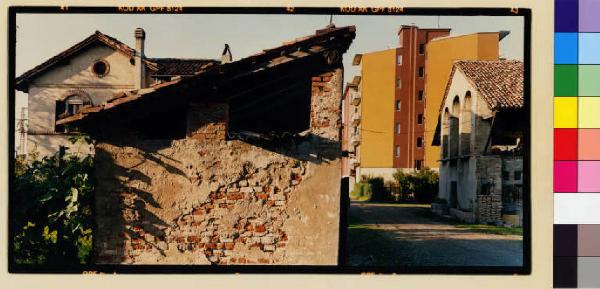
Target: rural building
pixel 238 164
pixel 481 135
pixel 393 104
pixel 88 74
pixel 440 56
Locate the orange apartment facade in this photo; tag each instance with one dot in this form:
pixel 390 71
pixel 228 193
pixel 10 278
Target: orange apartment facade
pixel 409 100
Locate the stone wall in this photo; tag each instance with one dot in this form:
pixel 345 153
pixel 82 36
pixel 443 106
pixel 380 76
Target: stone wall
pixel 208 200
pixel 489 191
pixel 489 208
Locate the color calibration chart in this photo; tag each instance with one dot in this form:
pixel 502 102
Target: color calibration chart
pixel 577 144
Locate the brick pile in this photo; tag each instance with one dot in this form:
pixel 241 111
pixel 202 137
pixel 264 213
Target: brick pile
pixel 489 208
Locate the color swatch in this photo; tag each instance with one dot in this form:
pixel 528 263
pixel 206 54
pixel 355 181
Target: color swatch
pixel 577 144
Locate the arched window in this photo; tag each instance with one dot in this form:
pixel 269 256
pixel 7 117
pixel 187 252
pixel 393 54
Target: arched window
pixel 70 105
pixel 453 135
pixel 466 125
pixel 445 132
pixel 456 107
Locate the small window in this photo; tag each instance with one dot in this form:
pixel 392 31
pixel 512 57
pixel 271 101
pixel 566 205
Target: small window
pixel 398 128
pixel 518 175
pixel 74 105
pixel 69 106
pixel 419 142
pixel 399 60
pixel 420 118
pixel 418 164
pixel 505 175
pixel 420 95
pixel 398 83
pixel 421 71
pixel 100 68
pixel 397 151
pixel 421 48
pixel 398 105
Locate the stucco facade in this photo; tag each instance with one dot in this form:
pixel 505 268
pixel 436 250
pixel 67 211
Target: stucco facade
pixel 87 74
pixel 377 89
pixel 76 78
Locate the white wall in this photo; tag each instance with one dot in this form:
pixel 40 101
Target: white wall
pixel 61 81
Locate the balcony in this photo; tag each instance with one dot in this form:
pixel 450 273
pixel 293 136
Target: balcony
pixel 355 99
pixel 355 119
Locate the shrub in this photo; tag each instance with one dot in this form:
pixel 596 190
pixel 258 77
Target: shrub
pixel 420 186
pixel 361 191
pixel 51 210
pixel 377 188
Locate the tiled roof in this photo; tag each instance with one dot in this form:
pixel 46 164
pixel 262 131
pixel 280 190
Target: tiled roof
pixel 181 66
pixel 320 43
pixel 97 37
pixel 499 82
pixel 159 66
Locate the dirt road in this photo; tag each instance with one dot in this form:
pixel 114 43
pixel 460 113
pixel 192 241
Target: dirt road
pixel 401 235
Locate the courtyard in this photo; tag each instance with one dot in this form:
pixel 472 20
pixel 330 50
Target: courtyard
pixel 382 234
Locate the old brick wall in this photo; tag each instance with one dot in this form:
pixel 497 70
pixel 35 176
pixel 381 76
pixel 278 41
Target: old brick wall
pixel 208 200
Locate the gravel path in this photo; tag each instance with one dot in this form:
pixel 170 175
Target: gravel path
pixel 409 236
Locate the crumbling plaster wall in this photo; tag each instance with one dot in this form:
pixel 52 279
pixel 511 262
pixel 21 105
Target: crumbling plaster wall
pixel 208 200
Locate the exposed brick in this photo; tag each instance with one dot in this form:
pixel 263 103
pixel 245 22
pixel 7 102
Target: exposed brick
pixel 211 231
pixel 263 261
pixel 260 229
pixel 262 196
pixel 193 239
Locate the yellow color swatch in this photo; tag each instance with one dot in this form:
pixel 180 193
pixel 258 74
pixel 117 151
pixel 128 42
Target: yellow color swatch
pixel 565 112
pixel 589 112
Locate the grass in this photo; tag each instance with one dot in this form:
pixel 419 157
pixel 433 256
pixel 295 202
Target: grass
pixel 391 204
pixel 479 228
pixel 489 229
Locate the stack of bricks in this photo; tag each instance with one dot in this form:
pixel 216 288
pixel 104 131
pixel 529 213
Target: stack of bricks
pixel 489 208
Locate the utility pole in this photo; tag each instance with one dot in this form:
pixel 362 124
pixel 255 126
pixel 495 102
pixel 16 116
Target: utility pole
pixel 22 130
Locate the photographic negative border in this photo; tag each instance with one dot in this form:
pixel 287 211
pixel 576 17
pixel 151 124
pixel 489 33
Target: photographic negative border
pixel 341 268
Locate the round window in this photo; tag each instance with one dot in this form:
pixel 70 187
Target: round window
pixel 100 68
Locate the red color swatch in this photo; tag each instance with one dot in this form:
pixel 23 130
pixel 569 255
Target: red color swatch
pixel 565 144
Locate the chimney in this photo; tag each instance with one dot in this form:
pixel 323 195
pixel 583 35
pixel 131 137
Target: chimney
pixel 226 56
pixel 140 70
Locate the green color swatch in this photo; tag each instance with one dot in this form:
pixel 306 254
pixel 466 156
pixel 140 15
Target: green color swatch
pixel 565 80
